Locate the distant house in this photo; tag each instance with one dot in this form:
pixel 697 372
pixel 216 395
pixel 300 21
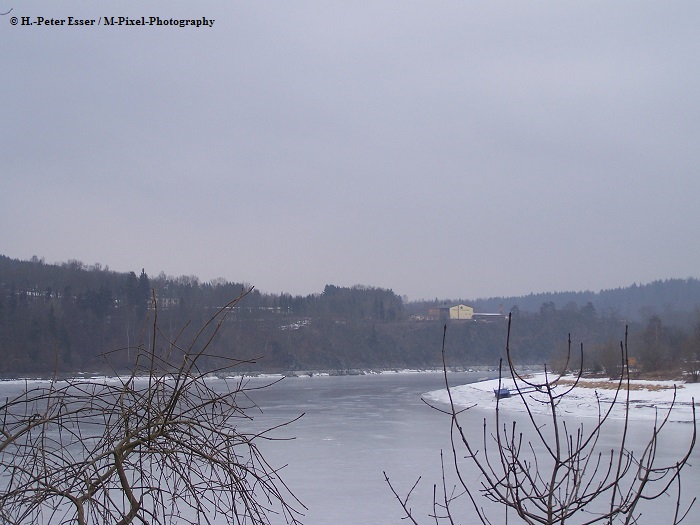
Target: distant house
pixel 167 302
pixel 439 313
pixel 443 313
pixel 461 311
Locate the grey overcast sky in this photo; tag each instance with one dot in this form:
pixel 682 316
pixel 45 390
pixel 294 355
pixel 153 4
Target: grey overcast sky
pixel 441 149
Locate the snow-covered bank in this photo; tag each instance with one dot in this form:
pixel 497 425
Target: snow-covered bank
pixel 647 399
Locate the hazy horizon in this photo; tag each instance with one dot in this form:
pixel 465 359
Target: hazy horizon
pixel 450 150
pixel 107 267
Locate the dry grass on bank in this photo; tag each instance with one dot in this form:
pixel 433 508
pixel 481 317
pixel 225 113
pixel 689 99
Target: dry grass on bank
pixel 612 385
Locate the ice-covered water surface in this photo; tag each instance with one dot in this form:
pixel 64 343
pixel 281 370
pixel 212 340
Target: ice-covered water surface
pixel 356 427
pixel 353 429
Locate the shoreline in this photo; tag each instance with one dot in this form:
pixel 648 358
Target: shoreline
pixel 87 376
pixel 648 399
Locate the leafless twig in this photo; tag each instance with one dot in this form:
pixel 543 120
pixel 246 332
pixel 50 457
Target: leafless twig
pixel 558 475
pixel 159 445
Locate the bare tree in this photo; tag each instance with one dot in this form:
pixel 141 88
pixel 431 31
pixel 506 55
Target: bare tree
pixel 162 445
pixel 554 474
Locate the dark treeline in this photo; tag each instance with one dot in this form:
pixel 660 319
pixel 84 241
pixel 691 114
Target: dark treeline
pixel 674 299
pixel 64 316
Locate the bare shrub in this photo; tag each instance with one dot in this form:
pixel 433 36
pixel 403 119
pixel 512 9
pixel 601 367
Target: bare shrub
pixel 570 479
pixel 161 445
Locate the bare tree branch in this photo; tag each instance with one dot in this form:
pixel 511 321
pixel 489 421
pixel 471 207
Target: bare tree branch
pixel 160 444
pixel 573 480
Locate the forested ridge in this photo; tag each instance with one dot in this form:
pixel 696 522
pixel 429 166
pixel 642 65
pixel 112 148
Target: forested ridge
pixel 70 316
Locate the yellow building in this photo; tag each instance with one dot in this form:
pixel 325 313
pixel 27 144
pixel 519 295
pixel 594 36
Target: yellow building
pixel 461 311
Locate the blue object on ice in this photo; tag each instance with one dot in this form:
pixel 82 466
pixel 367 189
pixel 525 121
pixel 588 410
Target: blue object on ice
pixel 501 392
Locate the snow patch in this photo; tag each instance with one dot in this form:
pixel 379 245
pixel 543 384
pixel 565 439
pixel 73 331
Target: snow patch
pixel 647 399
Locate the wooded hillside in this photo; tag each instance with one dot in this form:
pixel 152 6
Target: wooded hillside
pixel 64 316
